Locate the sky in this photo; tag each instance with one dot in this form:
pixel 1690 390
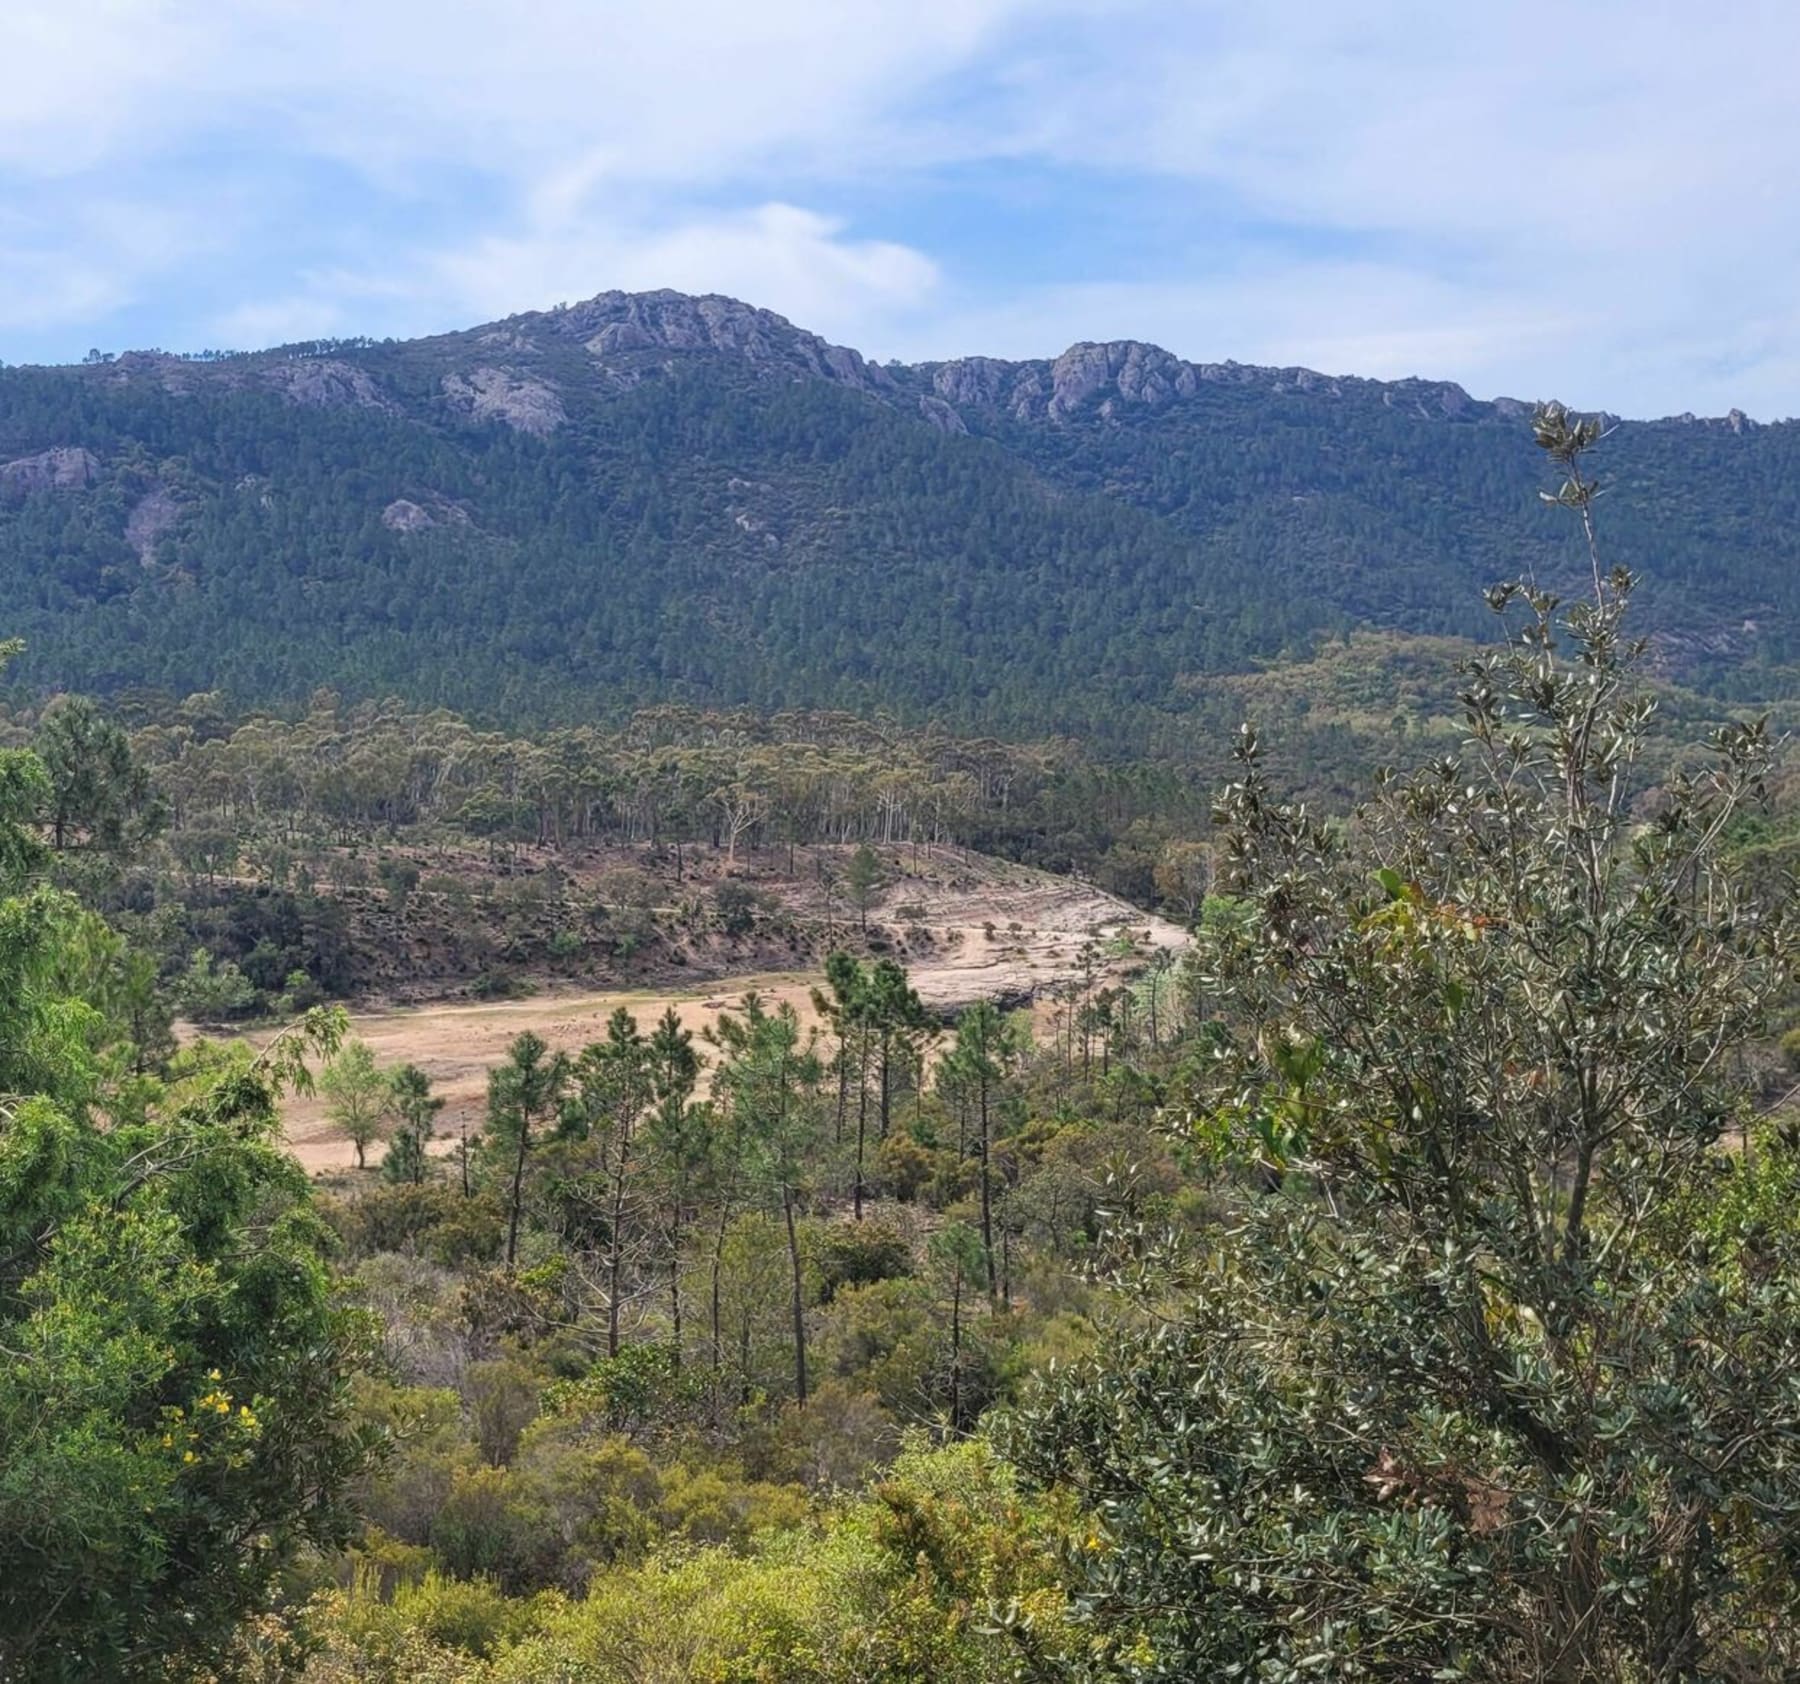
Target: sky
pixel 1594 202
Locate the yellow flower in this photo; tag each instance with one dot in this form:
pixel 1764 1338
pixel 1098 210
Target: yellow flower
pixel 189 1456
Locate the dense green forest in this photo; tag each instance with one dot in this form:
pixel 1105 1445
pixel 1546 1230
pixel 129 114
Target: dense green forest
pixel 647 499
pixel 1406 1285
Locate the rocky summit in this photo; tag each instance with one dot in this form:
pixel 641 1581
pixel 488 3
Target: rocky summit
pixel 651 497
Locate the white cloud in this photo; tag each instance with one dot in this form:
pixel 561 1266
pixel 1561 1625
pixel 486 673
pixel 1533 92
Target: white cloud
pixel 1519 196
pixel 782 256
pixel 698 92
pixel 779 255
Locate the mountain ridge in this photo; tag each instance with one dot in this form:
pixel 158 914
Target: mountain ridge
pixel 615 326
pixel 648 497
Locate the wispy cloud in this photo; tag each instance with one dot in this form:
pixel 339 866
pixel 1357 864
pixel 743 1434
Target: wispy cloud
pixel 1528 198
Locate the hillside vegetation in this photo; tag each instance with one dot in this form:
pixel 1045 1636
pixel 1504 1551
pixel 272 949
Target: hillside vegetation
pixel 1391 1274
pixel 650 498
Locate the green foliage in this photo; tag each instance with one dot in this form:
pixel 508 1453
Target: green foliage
pixel 892 1590
pixel 359 1098
pixel 173 1404
pixel 99 796
pixel 1471 1388
pixel 415 1108
pixel 793 542
pixel 214 990
pixel 864 879
pixel 855 1254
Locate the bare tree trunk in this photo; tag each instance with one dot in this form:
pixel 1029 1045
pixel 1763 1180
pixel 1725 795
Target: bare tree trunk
pixel 518 1189
pixel 718 1264
pixel 956 1351
pixel 787 1210
pixel 862 1125
pixel 987 1201
pixel 675 1281
pixel 616 1257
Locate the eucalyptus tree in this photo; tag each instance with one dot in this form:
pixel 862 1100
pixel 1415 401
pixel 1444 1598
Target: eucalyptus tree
pixel 358 1097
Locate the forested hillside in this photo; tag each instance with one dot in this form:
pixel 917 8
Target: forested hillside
pixel 1399 1284
pixel 647 498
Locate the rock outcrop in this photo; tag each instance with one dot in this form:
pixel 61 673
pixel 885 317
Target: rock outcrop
pixel 322 382
pixel 523 403
pixel 621 330
pixel 62 468
pixel 404 515
pixel 153 515
pixel 1107 378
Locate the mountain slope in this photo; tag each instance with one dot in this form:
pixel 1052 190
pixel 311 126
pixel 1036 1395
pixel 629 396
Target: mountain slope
pixel 650 496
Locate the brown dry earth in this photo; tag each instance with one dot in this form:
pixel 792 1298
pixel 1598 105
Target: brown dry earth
pixel 996 930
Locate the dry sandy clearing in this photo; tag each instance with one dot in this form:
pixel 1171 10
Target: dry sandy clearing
pixel 996 929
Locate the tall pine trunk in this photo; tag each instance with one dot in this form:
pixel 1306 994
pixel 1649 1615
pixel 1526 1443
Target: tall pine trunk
pixel 518 1189
pixel 675 1280
pixel 987 1197
pixel 787 1210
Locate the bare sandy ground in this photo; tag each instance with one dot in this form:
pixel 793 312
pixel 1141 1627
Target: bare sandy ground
pixel 995 930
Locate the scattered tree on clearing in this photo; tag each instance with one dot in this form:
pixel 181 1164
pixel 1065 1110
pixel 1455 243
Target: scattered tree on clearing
pixel 358 1097
pixel 524 1095
pixel 864 879
pixel 414 1107
pixel 1498 1375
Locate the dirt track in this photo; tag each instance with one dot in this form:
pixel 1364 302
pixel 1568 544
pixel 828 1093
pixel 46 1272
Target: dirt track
pixel 994 929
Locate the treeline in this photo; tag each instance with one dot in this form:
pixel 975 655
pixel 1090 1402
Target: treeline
pixel 668 775
pixel 341 774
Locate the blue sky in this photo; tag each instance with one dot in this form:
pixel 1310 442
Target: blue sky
pixel 1591 201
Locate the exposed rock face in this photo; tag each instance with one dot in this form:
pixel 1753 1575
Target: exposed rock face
pixel 497 394
pixel 941 415
pixel 404 515
pixel 621 328
pixel 1136 373
pixel 1123 371
pixel 1432 400
pixel 975 380
pixel 323 382
pixel 64 468
pixel 1126 373
pixel 153 514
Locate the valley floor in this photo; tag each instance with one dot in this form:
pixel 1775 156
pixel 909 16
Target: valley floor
pixel 973 928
